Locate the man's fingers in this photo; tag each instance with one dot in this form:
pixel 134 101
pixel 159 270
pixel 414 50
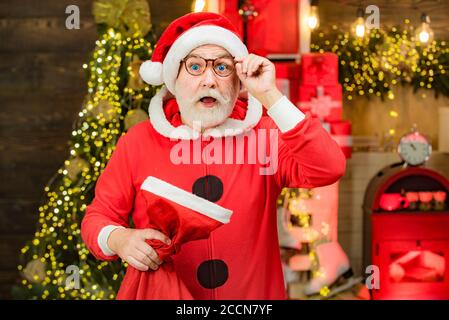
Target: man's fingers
pixel 238 68
pixel 136 264
pixel 249 67
pixel 254 66
pixel 155 234
pixel 146 260
pixel 149 252
pixel 244 61
pixel 245 64
pixel 143 258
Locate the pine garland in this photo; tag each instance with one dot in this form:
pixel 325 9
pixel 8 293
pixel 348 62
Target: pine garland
pixel 374 64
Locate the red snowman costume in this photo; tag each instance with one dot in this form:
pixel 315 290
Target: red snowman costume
pixel 239 167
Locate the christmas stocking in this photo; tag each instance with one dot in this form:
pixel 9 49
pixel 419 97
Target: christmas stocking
pixel 183 217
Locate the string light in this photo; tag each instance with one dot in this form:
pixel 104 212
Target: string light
pixel 57 242
pixel 198 5
pixel 359 28
pixel 425 33
pixel 295 200
pixel 313 19
pixel 382 59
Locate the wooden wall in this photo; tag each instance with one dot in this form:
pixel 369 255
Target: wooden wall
pixel 371 118
pixel 42 85
pixel 392 13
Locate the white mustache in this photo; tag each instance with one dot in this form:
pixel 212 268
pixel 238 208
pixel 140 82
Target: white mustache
pixel 214 94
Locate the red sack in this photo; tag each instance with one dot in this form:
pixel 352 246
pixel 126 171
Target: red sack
pixel 183 217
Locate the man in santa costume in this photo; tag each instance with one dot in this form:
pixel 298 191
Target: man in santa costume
pixel 219 129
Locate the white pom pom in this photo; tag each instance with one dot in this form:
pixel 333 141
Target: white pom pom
pixel 151 72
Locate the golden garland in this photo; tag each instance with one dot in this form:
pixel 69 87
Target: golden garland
pixel 131 17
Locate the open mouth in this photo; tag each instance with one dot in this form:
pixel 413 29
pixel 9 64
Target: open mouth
pixel 208 101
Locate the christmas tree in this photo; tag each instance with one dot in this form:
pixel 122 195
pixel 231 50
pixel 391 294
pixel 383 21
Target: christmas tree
pixel 56 264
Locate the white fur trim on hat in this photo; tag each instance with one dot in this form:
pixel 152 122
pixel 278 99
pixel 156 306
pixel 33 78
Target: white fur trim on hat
pixel 194 38
pixel 151 72
pixel 186 199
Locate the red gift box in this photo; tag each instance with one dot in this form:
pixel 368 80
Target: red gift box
pixel 319 69
pixel 276 21
pixel 287 79
pixel 323 102
pixel 307 92
pixel 275 29
pixel 229 8
pixel 341 131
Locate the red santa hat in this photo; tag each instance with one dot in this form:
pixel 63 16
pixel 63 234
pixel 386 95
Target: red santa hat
pixel 182 36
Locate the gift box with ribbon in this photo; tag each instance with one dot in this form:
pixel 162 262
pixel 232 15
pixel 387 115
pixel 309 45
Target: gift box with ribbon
pixel 325 102
pixel 307 92
pixel 319 69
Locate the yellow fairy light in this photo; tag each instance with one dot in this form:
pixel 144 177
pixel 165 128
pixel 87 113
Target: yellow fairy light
pixel 105 69
pixel 393 114
pixel 324 291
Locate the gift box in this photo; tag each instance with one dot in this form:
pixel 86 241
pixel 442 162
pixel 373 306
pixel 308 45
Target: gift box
pixel 307 92
pixel 275 21
pixel 275 29
pixel 340 131
pixel 325 102
pixel 287 79
pixel 230 9
pixel 319 69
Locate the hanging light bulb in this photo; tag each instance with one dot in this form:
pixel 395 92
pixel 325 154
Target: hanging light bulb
pixel 198 5
pixel 424 33
pixel 360 24
pixel 313 20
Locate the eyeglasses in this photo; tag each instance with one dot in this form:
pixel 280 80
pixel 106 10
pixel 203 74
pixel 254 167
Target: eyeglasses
pixel 222 67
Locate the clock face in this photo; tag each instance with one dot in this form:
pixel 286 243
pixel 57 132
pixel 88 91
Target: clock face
pixel 414 149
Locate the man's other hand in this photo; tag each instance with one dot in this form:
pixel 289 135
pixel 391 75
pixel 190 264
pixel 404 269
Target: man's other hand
pixel 129 244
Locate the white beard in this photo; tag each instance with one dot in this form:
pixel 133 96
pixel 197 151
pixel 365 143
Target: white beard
pixel 193 113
